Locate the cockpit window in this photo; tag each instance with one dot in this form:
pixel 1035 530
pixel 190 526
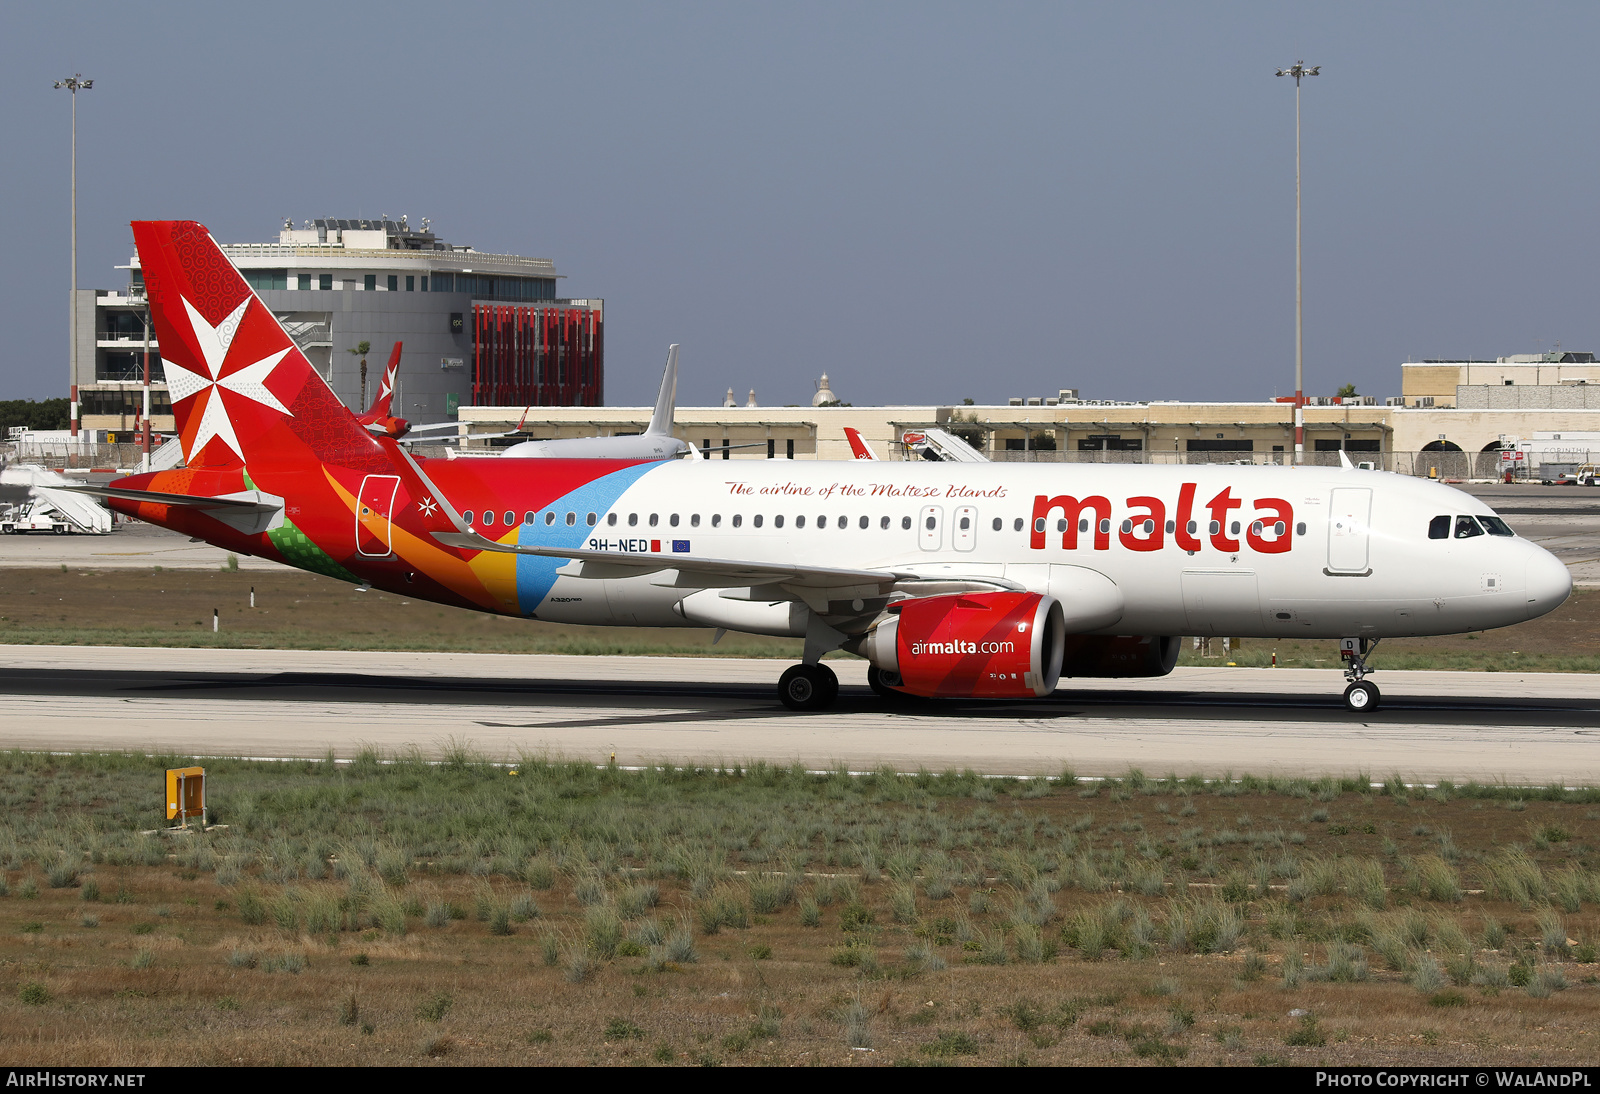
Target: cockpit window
pixel 1496 527
pixel 1439 527
pixel 1466 528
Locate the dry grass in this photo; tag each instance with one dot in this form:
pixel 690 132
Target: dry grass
pixel 407 914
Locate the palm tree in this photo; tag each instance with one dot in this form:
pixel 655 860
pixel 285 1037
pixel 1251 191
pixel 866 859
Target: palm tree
pixel 361 351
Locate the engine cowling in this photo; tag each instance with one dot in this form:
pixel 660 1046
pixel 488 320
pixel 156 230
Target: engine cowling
pixel 1120 655
pixel 1002 645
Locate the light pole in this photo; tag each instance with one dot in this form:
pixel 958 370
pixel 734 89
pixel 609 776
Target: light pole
pixel 1298 70
pixel 73 84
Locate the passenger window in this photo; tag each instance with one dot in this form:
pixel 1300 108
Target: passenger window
pixel 467 516
pixel 1038 524
pixel 1127 526
pixel 865 521
pixel 1279 528
pixel 1216 526
pixel 1496 527
pixel 800 521
pixel 1255 529
pixel 1192 527
pixel 1466 528
pixel 1018 526
pixel 633 520
pixel 1299 529
pixel 527 518
pixel 1083 526
pixel 883 522
pixel 511 518
pixel 590 520
pixel 550 517
pixel 1439 527
pixel 844 522
pixel 822 523
pixel 737 520
pixel 716 520
pixel 694 520
pixel 488 518
pixel 756 520
pixel 998 524
pixel 654 520
pixel 1105 526
pixel 673 520
pixel 1234 528
pixel 905 524
pixel 777 521
pixel 572 518
pixel 611 520
pixel 1172 526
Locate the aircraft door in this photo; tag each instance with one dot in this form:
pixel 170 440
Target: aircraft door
pixel 930 529
pixel 965 535
pixel 374 508
pixel 1349 531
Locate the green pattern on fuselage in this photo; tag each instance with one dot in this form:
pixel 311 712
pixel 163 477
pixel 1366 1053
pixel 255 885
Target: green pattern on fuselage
pixel 299 551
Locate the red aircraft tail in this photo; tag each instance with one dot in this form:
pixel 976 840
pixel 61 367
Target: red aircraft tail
pixel 242 392
pixel 380 404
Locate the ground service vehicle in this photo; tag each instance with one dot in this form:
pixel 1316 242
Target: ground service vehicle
pixel 954 579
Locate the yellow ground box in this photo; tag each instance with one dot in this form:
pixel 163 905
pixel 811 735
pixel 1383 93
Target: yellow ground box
pixel 186 792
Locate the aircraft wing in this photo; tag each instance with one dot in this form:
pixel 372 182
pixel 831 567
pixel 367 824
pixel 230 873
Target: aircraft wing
pixel 692 571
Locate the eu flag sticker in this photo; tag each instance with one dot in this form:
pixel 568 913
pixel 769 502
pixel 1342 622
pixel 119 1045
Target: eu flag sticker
pixel 680 546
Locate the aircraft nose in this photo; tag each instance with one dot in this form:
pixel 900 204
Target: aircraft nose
pixel 1549 583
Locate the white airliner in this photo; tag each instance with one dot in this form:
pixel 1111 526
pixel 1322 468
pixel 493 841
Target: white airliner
pixel 954 579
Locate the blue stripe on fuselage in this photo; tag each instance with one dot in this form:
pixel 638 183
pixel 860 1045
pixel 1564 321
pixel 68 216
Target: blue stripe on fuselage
pixel 536 575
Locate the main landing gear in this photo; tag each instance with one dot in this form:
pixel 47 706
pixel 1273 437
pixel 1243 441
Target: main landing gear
pixel 1362 695
pixel 808 687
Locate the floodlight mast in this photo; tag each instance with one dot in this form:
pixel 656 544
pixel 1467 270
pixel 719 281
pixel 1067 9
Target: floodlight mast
pixel 1298 70
pixel 74 84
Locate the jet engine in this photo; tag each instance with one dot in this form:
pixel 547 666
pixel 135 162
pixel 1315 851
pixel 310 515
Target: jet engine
pixel 1119 655
pixel 1002 645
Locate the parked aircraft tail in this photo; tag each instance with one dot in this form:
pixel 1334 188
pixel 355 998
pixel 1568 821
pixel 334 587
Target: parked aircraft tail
pixel 380 403
pixel 667 401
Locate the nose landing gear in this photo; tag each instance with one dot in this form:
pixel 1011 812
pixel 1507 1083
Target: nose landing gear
pixel 1362 695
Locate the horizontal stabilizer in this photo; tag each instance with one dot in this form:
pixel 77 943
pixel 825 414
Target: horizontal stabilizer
pixel 193 501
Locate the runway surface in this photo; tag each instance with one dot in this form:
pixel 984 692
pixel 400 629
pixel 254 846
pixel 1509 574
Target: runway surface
pixel 1524 728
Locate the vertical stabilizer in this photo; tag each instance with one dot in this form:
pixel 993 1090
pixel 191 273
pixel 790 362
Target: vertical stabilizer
pixel 242 392
pixel 667 401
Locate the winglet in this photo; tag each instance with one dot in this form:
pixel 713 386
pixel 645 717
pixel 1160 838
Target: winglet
pixel 1344 461
pixel 661 420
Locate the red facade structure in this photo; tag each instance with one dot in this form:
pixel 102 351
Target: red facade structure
pixel 537 355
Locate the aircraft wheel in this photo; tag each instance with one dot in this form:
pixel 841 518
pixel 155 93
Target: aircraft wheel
pixel 1361 697
pixel 808 687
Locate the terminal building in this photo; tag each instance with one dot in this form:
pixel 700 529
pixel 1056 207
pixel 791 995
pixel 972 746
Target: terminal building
pixel 476 327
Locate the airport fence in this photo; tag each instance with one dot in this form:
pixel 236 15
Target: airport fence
pixel 1440 465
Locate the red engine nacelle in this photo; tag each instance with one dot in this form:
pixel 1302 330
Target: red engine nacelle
pixel 1119 655
pixel 971 645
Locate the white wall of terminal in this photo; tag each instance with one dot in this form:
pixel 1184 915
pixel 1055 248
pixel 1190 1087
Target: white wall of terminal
pixel 818 432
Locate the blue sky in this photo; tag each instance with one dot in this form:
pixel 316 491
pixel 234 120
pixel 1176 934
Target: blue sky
pixel 927 201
